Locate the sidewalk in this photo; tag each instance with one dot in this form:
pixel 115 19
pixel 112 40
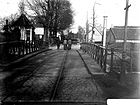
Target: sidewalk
pixel 3 66
pixel 110 84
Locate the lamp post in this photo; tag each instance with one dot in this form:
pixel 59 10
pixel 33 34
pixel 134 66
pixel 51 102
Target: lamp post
pixel 123 69
pixel 104 31
pixel 93 20
pixel 87 30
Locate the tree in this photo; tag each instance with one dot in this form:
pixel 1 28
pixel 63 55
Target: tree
pixel 54 15
pixel 11 18
pixel 63 16
pixel 81 33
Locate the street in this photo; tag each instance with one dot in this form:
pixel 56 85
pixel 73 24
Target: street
pixel 34 80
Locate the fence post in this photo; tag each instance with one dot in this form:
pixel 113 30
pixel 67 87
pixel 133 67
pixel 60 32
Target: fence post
pixel 29 47
pixel 105 58
pixel 26 46
pixel 111 64
pixel 101 62
pixel 19 48
pixel 131 57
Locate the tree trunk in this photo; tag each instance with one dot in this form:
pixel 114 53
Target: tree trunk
pixel 45 38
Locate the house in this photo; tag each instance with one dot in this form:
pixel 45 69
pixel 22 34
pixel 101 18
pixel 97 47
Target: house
pixel 39 31
pixel 115 37
pixel 26 27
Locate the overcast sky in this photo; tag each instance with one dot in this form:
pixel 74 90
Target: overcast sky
pixel 114 9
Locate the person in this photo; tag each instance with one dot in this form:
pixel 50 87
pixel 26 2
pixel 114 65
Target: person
pixel 58 42
pixel 65 44
pixel 69 44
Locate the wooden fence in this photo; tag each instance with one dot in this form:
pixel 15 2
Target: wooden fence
pixel 10 51
pixel 108 59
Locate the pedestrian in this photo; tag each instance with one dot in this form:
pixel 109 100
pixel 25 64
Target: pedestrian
pixel 69 44
pixel 58 42
pixel 65 44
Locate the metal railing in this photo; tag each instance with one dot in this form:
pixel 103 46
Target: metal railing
pixel 10 51
pixel 108 59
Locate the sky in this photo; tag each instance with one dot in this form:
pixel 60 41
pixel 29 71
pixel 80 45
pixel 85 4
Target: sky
pixel 83 9
pixel 114 9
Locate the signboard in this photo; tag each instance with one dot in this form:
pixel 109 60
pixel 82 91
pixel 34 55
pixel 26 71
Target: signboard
pixel 39 31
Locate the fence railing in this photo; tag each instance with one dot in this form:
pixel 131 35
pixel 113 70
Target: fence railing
pixel 10 51
pixel 108 59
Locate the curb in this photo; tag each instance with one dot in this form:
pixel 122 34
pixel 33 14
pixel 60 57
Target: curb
pixel 16 62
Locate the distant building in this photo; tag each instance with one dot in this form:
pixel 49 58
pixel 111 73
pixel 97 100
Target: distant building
pixel 39 31
pixel 73 35
pixel 26 27
pixel 2 38
pixel 115 36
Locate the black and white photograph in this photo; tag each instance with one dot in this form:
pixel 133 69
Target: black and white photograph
pixel 69 52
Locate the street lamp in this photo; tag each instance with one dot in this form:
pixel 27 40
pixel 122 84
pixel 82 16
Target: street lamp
pixel 104 31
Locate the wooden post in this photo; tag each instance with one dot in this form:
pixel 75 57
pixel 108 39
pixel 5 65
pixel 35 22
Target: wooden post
pixel 104 31
pixel 123 69
pixel 105 58
pixel 111 63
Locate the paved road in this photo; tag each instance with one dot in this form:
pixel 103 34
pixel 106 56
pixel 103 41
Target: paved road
pixel 33 79
pixel 78 84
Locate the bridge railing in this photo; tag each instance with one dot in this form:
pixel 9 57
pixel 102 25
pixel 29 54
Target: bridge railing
pixel 10 51
pixel 108 59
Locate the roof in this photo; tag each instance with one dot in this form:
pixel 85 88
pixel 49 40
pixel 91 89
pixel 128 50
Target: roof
pixel 22 21
pixel 133 32
pixel 38 25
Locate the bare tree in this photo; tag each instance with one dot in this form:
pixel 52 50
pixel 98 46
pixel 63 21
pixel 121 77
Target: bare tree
pixel 11 18
pixel 54 15
pixel 81 33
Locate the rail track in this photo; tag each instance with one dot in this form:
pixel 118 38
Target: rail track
pixel 29 74
pixel 60 75
pixel 62 69
pixel 58 78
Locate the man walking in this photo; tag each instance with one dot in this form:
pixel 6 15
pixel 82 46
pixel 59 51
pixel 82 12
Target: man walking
pixel 58 42
pixel 69 44
pixel 65 44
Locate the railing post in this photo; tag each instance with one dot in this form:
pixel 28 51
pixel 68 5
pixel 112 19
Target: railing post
pixel 22 45
pixel 26 47
pixel 131 59
pixel 19 48
pixel 105 58
pixel 102 57
pixel 96 53
pixel 111 63
pixel 93 51
pixel 29 47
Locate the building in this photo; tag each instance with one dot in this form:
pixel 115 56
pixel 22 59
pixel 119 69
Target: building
pixel 39 31
pixel 115 39
pixel 26 27
pixel 115 36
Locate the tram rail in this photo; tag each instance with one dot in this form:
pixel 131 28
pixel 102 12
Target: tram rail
pixel 56 85
pixel 62 69
pixel 20 83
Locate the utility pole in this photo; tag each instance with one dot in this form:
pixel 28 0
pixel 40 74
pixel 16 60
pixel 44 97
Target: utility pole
pixel 87 29
pixel 93 22
pixel 93 27
pixel 22 7
pixel 123 69
pixel 104 31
